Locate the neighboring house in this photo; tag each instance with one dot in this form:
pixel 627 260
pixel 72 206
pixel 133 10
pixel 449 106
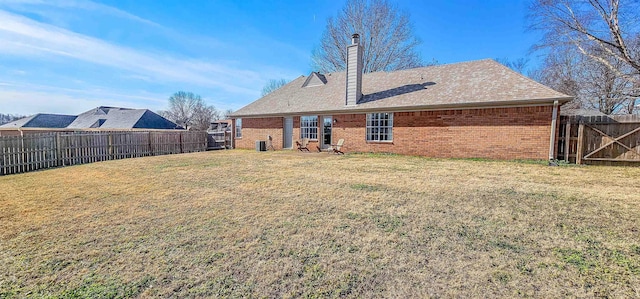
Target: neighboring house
pixel 41 120
pixel 97 118
pixel 470 109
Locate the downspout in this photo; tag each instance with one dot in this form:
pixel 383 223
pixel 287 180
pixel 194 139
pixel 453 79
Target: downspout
pixel 552 140
pixel 233 133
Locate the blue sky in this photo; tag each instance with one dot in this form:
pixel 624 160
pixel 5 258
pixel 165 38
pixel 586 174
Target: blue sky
pixel 68 56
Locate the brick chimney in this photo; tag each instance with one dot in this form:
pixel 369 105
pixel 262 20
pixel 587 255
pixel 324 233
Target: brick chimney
pixel 354 71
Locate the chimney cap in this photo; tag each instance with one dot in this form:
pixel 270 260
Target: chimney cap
pixel 355 39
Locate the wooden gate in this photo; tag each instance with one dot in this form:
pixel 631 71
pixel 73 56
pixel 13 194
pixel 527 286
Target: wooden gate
pixel 608 140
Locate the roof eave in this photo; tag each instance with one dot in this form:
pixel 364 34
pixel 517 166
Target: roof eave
pixel 456 106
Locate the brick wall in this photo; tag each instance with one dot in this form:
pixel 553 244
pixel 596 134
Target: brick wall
pixel 498 133
pixel 254 129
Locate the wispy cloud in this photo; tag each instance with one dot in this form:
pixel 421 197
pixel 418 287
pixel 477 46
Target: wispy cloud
pixel 28 5
pixel 62 12
pixel 22 36
pixel 41 43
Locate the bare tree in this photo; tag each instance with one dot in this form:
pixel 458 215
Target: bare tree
pixel 519 65
pixel 7 118
pixel 605 31
pixel 226 114
pixel 560 71
pixel 385 34
pixel 433 62
pixel 592 84
pixel 604 89
pixel 190 111
pixel 272 85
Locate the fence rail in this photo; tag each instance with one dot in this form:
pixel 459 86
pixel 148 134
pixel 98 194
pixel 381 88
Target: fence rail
pixel 40 151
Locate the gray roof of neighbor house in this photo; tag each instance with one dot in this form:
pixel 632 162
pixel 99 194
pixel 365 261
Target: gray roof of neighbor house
pixel 41 120
pixel 121 118
pixel 101 117
pixel 481 83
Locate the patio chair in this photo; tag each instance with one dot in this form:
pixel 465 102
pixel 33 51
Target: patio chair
pixel 303 145
pixel 270 143
pixel 334 148
pixel 337 148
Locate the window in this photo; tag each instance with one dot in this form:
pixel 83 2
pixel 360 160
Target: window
pixel 309 127
pixel 238 127
pixel 380 127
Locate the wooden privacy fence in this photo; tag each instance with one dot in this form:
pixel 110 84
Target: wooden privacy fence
pixel 604 140
pixel 39 151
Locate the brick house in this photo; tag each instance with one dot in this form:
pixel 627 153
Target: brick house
pixel 464 110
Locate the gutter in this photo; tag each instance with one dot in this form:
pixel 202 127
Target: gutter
pixel 461 106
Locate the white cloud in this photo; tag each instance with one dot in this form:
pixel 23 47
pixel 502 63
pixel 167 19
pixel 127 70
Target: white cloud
pixel 62 12
pixel 25 37
pixel 27 5
pixel 66 58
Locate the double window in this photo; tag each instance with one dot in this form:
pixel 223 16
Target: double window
pixel 309 127
pixel 380 127
pixel 238 127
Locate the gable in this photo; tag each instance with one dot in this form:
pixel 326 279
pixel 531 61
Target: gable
pixel 151 120
pixel 315 79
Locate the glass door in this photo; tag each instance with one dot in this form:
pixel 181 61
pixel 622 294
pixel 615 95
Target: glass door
pixel 327 124
pixel 287 133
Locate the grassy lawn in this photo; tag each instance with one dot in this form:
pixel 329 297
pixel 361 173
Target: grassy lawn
pixel 283 224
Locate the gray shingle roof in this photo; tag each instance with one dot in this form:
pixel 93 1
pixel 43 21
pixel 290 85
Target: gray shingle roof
pixel 121 118
pixel 150 119
pixel 481 83
pixel 41 120
pixel 100 117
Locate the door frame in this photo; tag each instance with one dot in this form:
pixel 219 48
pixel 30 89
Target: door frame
pixel 287 137
pixel 322 142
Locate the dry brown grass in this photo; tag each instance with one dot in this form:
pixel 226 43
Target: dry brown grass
pixel 282 224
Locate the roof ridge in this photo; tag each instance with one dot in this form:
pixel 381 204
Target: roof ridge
pixel 31 118
pixel 420 67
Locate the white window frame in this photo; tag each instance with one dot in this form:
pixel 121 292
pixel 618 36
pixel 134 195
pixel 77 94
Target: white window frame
pixel 238 127
pixel 380 127
pixel 309 127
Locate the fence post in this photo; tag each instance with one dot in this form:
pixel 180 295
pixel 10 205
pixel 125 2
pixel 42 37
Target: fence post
pixel 205 141
pixel 59 159
pixel 180 141
pixel 579 151
pixel 110 144
pixel 22 154
pixel 150 144
pixel 567 139
pixel 3 160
